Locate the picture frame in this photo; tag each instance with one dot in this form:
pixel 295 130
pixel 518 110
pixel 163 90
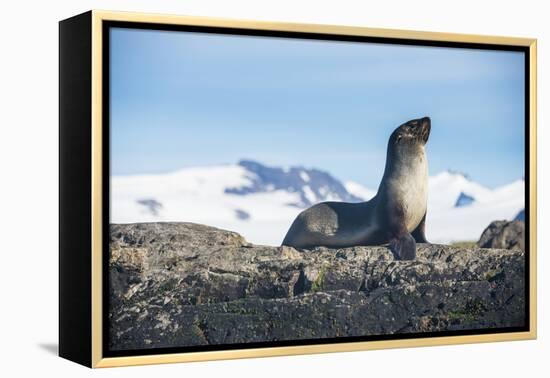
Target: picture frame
pixel 85 236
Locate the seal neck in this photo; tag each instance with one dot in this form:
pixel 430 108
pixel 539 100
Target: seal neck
pixel 405 163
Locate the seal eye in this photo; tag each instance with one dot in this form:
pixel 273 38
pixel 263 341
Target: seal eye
pixel 398 139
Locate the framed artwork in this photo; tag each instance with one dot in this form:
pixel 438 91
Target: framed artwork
pixel 234 189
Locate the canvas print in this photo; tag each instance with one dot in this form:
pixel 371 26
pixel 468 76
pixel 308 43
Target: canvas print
pixel 268 190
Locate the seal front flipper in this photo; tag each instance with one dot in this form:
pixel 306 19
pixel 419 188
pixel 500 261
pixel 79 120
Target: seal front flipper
pixel 419 233
pixel 403 247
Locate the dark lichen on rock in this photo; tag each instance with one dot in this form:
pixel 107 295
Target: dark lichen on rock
pixel 184 284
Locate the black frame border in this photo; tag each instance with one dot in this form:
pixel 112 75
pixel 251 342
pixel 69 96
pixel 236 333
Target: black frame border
pixel 75 181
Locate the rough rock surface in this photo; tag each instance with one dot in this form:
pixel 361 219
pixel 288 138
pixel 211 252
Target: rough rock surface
pixel 504 234
pixel 183 284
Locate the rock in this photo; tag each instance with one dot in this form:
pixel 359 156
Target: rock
pixel 504 234
pixel 183 284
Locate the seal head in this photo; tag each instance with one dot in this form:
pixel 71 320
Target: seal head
pixel 406 139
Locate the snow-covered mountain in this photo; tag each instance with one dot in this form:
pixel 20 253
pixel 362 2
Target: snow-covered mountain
pixel 460 209
pixel 359 190
pixel 311 185
pixel 257 201
pixel 260 202
pixel 454 189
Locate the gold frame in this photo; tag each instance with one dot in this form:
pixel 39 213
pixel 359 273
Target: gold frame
pixel 97 357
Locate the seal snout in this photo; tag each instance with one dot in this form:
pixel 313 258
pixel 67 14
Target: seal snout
pixel 426 125
pixel 422 128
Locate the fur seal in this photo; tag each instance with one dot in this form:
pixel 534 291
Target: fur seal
pixel 396 215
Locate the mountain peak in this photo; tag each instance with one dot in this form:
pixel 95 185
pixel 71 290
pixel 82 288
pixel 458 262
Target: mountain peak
pixel 250 164
pixel 312 185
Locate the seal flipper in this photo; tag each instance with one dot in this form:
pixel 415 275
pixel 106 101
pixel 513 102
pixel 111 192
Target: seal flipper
pixel 419 233
pixel 403 247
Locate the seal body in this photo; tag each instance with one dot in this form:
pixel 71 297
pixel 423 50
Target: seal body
pixel 396 215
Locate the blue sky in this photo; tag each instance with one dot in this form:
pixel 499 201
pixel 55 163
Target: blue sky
pixel 183 99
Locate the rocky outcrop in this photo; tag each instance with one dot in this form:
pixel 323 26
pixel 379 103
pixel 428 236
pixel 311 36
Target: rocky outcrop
pixel 182 284
pixel 504 234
